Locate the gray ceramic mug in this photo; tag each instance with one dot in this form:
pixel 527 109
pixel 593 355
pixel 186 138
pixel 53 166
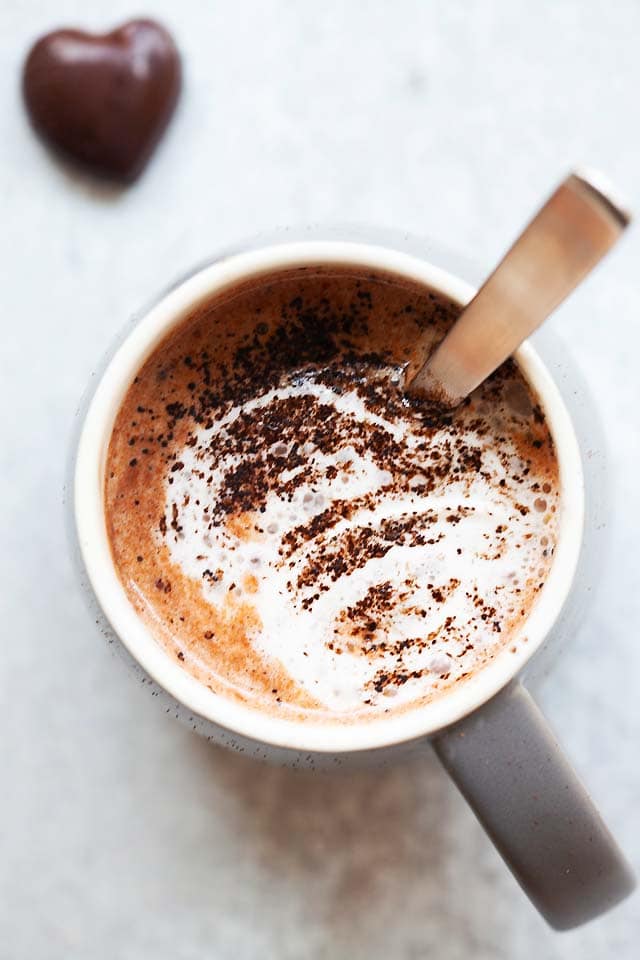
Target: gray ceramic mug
pixel 489 733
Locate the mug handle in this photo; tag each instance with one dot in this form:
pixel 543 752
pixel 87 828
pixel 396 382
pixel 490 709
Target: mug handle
pixel 510 768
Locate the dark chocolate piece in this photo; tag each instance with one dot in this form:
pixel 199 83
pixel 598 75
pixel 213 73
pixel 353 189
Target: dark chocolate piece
pixel 104 100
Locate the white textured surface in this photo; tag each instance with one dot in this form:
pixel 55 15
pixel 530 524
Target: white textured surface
pixel 123 835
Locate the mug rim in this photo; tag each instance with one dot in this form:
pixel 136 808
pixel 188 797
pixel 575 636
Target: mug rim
pixel 322 736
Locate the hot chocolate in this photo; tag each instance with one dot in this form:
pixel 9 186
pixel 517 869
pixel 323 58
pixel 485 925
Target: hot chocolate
pixel 302 536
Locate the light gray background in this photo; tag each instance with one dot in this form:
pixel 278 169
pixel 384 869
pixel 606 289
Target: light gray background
pixel 123 835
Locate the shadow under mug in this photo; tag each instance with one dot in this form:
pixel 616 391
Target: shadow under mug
pixel 488 733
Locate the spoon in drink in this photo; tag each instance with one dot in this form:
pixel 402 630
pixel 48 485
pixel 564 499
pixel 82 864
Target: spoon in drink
pixel 568 236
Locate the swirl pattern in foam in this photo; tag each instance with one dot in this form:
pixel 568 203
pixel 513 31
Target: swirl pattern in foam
pixel 382 555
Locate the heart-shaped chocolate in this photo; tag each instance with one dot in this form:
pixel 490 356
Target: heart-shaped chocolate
pixel 104 100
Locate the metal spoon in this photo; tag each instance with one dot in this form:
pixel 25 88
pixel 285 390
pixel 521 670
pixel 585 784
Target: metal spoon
pixel 564 241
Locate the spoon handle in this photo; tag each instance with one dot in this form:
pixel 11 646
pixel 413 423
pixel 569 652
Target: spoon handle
pixel 564 241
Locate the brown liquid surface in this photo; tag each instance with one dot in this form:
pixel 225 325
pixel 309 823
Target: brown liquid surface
pixel 348 330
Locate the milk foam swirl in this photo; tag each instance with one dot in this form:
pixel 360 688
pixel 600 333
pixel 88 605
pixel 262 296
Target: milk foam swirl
pixel 385 555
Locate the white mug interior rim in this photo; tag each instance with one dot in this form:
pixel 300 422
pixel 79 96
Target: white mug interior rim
pixel 234 716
